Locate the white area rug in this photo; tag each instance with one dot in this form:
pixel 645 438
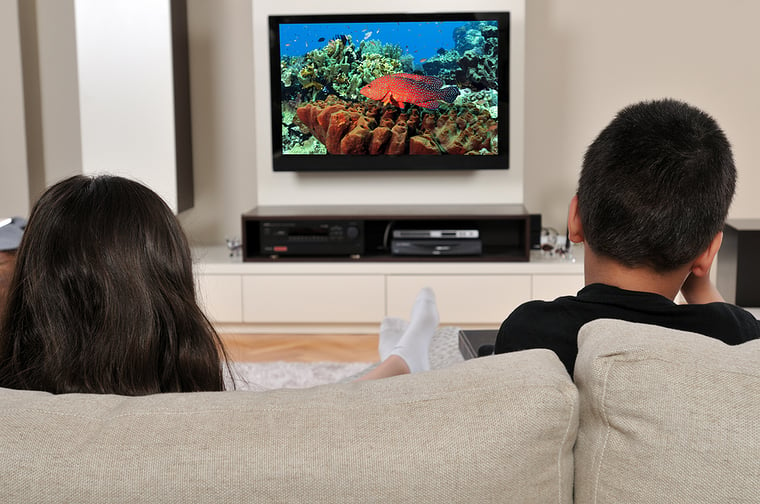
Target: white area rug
pixel 273 375
pixel 444 351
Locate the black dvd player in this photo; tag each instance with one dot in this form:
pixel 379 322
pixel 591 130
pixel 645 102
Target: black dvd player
pixel 458 234
pixel 311 237
pixel 426 247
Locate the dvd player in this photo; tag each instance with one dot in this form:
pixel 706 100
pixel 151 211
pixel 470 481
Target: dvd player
pixel 436 233
pixel 427 247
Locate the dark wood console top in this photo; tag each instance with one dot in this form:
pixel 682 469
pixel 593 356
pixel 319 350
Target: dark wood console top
pixel 432 212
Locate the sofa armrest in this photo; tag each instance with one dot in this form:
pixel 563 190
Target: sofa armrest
pixel 666 413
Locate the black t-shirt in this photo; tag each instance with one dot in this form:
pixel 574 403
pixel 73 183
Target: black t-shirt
pixel 555 324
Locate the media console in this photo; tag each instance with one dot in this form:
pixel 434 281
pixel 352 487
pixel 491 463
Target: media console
pixel 367 233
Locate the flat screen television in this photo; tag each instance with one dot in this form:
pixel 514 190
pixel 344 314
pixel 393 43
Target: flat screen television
pixel 375 92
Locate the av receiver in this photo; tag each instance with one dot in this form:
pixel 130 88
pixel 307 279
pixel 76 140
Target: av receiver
pixel 311 237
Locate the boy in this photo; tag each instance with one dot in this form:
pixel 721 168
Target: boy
pixel 653 195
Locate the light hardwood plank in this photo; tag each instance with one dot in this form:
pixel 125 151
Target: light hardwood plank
pixel 301 347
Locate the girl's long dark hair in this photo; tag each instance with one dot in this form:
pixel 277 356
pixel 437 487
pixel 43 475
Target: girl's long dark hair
pixel 102 299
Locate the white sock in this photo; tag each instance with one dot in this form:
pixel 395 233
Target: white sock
pixel 391 330
pixel 414 345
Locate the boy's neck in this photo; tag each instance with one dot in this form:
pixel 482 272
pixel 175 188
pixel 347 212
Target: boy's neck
pixel 598 269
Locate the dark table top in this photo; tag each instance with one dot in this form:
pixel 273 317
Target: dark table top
pixel 470 341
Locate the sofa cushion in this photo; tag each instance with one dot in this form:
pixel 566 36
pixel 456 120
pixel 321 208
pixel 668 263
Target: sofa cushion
pixel 499 428
pixel 666 413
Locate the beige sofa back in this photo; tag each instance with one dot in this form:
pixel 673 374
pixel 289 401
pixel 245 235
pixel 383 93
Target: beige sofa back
pixel 495 429
pixel 666 416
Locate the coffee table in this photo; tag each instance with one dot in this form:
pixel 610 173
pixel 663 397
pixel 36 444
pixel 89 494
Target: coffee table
pixel 470 340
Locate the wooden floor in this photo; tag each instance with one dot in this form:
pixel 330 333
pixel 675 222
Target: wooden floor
pixel 301 347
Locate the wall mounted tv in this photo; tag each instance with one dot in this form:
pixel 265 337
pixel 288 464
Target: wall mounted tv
pixel 390 91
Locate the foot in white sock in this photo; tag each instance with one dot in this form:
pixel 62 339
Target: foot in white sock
pixel 414 345
pixel 391 330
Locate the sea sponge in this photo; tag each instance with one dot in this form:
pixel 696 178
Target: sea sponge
pixel 346 127
pixel 337 127
pixel 423 144
pixel 397 144
pixel 379 139
pixel 356 141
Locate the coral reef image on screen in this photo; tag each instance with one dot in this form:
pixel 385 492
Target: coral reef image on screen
pixel 390 88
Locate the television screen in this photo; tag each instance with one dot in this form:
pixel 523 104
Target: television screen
pixel 390 91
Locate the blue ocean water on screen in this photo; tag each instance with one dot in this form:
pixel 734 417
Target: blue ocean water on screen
pixel 421 40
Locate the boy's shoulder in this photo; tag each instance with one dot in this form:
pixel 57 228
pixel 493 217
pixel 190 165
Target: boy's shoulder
pixel 566 314
pixel 539 315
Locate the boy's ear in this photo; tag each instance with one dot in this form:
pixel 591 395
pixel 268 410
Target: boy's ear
pixel 574 226
pixel 703 262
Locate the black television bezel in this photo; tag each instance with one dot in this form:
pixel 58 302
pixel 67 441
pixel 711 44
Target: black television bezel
pixel 383 162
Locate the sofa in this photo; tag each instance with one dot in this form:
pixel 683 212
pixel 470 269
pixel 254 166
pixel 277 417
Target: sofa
pixel 653 415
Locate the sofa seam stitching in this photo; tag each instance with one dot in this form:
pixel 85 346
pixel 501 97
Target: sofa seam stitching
pixel 559 458
pixel 603 449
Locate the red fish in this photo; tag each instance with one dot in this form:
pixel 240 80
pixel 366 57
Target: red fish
pixel 403 88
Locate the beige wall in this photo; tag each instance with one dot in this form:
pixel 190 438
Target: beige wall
pixel 58 141
pixel 221 93
pixel 14 184
pixel 588 58
pixel 585 59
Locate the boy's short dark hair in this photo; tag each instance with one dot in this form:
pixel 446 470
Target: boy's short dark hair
pixel 656 185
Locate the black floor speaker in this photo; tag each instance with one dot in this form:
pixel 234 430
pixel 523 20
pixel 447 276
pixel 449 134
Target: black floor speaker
pixel 738 278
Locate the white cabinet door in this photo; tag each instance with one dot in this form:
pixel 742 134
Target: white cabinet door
pixel 313 298
pixel 221 297
pixel 549 287
pixel 461 299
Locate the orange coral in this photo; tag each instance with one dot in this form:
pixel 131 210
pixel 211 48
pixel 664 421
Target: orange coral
pixel 358 128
